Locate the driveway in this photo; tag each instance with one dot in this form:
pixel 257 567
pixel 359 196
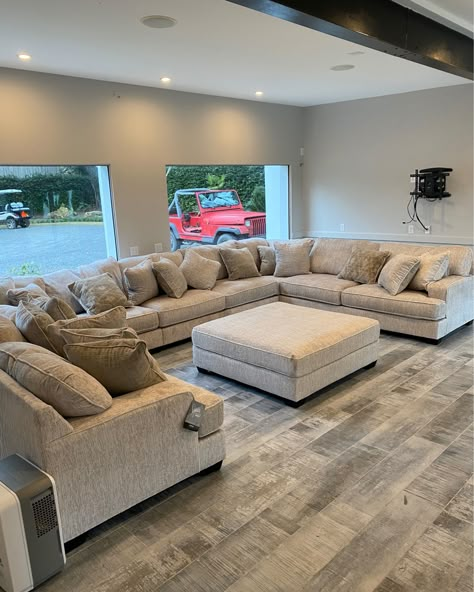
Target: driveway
pixel 50 247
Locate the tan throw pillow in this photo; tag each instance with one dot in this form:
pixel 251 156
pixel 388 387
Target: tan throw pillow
pixel 432 268
pixel 69 390
pixel 109 265
pixel 170 278
pixel 8 311
pixel 200 273
pixel 9 331
pixel 120 365
pixel 267 260
pixel 6 284
pixel 98 293
pixel 398 272
pixel 25 294
pixel 57 308
pixel 292 257
pixel 72 336
pixel 110 319
pixel 56 286
pixel 140 282
pixel 239 263
pixel 210 252
pixel 364 266
pixel 32 322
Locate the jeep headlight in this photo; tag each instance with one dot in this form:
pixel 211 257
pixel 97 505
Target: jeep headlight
pixel 247 223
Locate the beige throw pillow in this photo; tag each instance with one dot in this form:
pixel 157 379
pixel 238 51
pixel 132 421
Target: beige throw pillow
pixel 72 336
pixel 292 257
pixel 9 331
pixel 33 323
pixel 364 266
pixel 56 285
pixel 239 263
pixel 432 268
pixel 110 319
pixel 267 260
pixel 69 390
pixel 57 308
pixel 120 365
pixel 98 293
pixel 170 278
pixel 6 284
pixel 140 282
pixel 200 273
pixel 398 272
pixel 29 292
pixel 109 265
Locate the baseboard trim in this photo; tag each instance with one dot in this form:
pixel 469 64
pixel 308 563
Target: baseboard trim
pixel 433 239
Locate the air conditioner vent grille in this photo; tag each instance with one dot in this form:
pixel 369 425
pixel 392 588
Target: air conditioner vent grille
pixel 44 513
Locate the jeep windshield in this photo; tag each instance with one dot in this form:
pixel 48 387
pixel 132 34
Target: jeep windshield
pixel 218 199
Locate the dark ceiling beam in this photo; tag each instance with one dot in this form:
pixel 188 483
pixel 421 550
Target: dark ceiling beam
pixel 383 25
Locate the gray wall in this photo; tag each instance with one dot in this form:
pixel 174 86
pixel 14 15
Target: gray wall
pixel 47 119
pixel 359 155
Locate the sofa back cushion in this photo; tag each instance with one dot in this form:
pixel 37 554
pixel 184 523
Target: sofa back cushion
pixel 5 285
pixel 9 331
pixel 70 390
pixel 329 255
pixel 109 265
pixel 25 294
pixel 56 285
pixel 460 258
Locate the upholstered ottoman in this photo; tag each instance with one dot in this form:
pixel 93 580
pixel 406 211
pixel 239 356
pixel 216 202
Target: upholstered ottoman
pixel 288 350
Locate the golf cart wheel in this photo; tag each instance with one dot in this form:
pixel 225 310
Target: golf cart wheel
pixel 224 237
pixel 175 243
pixel 24 223
pixel 11 223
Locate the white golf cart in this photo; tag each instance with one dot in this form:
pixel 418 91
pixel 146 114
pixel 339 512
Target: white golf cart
pixel 14 214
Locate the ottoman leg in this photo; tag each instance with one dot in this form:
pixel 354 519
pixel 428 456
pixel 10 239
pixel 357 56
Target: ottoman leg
pixel 211 469
pixel 371 365
pixel 203 370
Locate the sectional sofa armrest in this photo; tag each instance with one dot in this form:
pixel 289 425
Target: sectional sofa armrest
pixel 27 424
pixel 457 291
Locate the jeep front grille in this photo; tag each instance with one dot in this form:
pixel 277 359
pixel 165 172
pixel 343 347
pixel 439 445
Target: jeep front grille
pixel 258 227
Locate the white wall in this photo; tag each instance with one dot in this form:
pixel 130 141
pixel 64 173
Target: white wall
pixel 47 119
pixel 359 155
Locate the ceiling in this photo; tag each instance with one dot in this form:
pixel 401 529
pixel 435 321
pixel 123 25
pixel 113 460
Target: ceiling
pixel 457 14
pixel 217 48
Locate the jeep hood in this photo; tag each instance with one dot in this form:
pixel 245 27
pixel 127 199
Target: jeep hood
pixel 223 217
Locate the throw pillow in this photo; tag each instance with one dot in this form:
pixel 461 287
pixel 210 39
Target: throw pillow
pixel 109 265
pixel 17 295
pixel 140 282
pixel 120 365
pixel 239 263
pixel 6 284
pixel 9 331
pixel 56 285
pixel 398 272
pixel 110 319
pixel 57 308
pixel 200 273
pixel 432 268
pixel 364 266
pixel 72 336
pixel 8 311
pixel 267 260
pixel 32 322
pixel 170 278
pixel 292 257
pixel 98 293
pixel 211 252
pixel 69 390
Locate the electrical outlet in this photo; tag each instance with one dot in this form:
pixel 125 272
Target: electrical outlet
pixel 134 251
pixel 158 247
pixel 341 227
pixel 428 230
pixel 411 229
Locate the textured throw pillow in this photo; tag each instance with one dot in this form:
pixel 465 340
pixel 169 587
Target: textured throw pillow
pixel 211 252
pixel 8 311
pixel 98 293
pixel 109 265
pixel 69 390
pixel 364 266
pixel 170 278
pixel 200 273
pixel 120 365
pixel 110 319
pixel 6 284
pixel 140 282
pixel 432 268
pixel 72 336
pixel 9 331
pixel 398 272
pixel 239 263
pixel 267 260
pixel 292 257
pixel 32 322
pixel 57 308
pixel 25 294
pixel 56 285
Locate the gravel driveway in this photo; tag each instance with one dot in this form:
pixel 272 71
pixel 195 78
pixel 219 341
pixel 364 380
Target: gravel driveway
pixel 51 246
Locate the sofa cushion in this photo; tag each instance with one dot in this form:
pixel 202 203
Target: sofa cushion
pixel 70 390
pixel 292 257
pixel 433 267
pixel 210 252
pixel 98 293
pixel 318 287
pixel 169 277
pixel 140 282
pixel 460 258
pixel 364 266
pixel 8 311
pixel 142 319
pixel 240 292
pixel 239 263
pixel 33 322
pixel 109 265
pixel 9 331
pixel 5 285
pixel 329 255
pixel 193 304
pixel 57 308
pixel 56 285
pixel 267 260
pixel 398 272
pixel 25 294
pixel 120 365
pixel 416 305
pixel 200 273
pixel 23 280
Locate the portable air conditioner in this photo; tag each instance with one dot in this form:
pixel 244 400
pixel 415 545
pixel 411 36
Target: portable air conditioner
pixel 31 545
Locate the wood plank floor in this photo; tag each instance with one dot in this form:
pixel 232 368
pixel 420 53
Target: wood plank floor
pixel 367 487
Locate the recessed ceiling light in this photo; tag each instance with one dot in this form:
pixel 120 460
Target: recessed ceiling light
pixel 158 22
pixel 342 67
pixel 259 93
pixel 165 79
pixel 23 56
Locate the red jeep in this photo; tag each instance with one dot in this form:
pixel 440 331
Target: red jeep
pixel 211 216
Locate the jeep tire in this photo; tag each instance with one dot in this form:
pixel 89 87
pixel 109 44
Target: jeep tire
pixel 174 242
pixel 225 236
